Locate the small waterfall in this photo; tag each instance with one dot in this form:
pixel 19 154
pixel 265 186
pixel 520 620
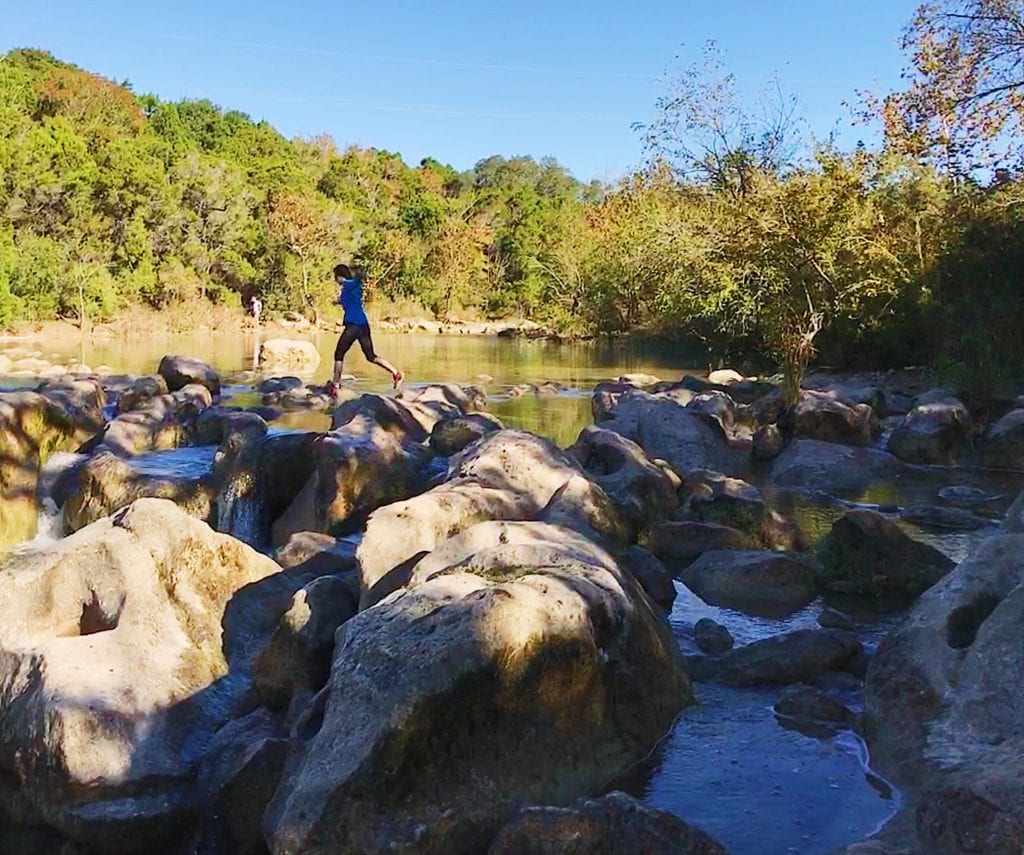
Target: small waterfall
pixel 50 519
pixel 240 510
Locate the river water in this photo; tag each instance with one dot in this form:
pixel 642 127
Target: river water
pixel 728 766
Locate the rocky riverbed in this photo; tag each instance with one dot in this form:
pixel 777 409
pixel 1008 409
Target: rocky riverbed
pixel 711 623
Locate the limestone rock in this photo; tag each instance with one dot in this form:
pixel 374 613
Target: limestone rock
pixel 711 497
pixel 452 435
pixel 711 637
pixel 34 426
pixel 821 417
pixel 181 371
pixel 642 490
pixel 669 430
pixel 142 390
pixel 767 584
pixel 939 430
pixel 106 483
pixel 612 824
pixel 297 354
pixel 867 553
pixel 795 657
pixel 128 629
pixel 1003 446
pixel 652 575
pixel 679 544
pixel 480 689
pixel 813 465
pixel 943 703
pixel 298 655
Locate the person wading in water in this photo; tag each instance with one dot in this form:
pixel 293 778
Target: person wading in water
pixel 356 328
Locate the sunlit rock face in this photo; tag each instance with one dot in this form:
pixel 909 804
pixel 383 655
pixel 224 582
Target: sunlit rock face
pixel 520 665
pixel 119 658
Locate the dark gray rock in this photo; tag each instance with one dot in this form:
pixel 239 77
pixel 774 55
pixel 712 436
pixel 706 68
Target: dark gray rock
pixel 795 657
pixel 767 584
pixel 867 553
pixel 181 371
pixel 711 637
pixel 613 824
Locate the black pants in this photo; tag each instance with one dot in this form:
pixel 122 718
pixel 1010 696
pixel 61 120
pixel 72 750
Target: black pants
pixel 349 336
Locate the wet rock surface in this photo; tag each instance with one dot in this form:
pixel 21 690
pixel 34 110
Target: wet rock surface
pixel 867 553
pixel 770 584
pixel 614 823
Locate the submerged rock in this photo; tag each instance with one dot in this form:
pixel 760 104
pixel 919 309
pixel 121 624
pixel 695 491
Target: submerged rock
pixel 486 686
pixel 867 553
pixel 812 704
pixel 609 825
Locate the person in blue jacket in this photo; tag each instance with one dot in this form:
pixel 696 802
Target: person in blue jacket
pixel 356 328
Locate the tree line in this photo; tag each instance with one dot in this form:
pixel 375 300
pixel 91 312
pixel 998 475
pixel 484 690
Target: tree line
pixel 738 232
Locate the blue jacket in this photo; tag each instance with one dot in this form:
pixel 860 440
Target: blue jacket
pixel 351 300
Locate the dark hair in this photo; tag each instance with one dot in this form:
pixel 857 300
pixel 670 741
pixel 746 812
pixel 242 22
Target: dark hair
pixel 343 270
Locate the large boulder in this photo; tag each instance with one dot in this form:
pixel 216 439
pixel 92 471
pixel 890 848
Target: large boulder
pixel 488 685
pixel 508 475
pixel 944 705
pixel 361 469
pixel 450 436
pixel 1003 445
pixel 767 584
pixel 796 657
pixel 669 430
pixel 181 371
pixel 141 391
pixel 283 353
pixel 116 655
pixel 605 826
pixel 680 543
pixel 938 430
pixel 157 423
pixel 867 553
pixel 107 483
pixel 34 426
pixel 823 417
pixel 643 491
pixel 298 656
pixel 711 497
pixel 813 465
pixel 412 416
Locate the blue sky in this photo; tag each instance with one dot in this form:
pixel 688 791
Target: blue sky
pixel 463 80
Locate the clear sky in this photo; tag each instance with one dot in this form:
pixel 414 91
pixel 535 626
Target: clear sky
pixel 463 80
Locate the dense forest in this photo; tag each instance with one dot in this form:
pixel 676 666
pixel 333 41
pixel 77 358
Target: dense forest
pixel 738 232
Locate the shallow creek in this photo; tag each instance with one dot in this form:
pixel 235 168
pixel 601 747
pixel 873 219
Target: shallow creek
pixel 729 765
